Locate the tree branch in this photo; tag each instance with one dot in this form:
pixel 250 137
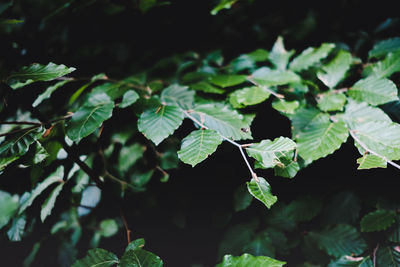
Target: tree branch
pixel 250 79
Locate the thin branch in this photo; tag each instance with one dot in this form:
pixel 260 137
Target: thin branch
pixel 250 79
pixel 253 174
pixel 112 177
pixel 21 123
pixel 364 146
pixel 128 231
pixel 374 255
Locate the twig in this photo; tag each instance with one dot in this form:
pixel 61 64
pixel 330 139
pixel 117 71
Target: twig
pixel 253 174
pixel 250 79
pixel 128 231
pixel 364 146
pixel 112 177
pixel 21 123
pixel 374 255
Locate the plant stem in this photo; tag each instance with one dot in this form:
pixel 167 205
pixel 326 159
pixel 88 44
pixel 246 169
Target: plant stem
pixel 21 123
pixel 249 78
pixel 364 146
pixel 128 231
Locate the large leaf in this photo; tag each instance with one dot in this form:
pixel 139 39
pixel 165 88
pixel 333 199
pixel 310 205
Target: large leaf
pixel 384 47
pixel 377 220
pixel 335 71
pixel 260 245
pixel 269 77
pixel 375 91
pixel 268 152
pixel 304 117
pixel 304 209
pixel 8 207
pixel 48 204
pixel 207 88
pixel 37 72
pixel 321 138
pixel 344 207
pixel 261 190
pixel 47 93
pixel 331 101
pixel 369 161
pixel 388 256
pixel 140 258
pixel 223 119
pixel 198 145
pixel 247 260
pixel 349 261
pixel 340 240
pixel 90 116
pixel 18 144
pixel 310 57
pixel 279 56
pixel 248 96
pixel 158 123
pixel 177 95
pixel 384 68
pixel 97 257
pixel 227 80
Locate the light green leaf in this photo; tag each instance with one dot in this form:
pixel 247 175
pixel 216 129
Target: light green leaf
pixel 158 123
pixel 268 77
pixel 207 88
pixel 223 4
pixel 129 155
pixel 227 80
pixel 321 138
pixel 247 260
pixel 97 257
pixel 335 71
pixel 369 161
pixel 279 56
pixel 108 227
pixel 377 220
pixel 128 99
pixel 284 106
pixel 37 72
pixel 48 204
pixel 310 57
pixel 112 90
pixel 286 167
pixel 305 117
pixel 374 91
pixel 78 92
pixel 331 101
pixel 221 118
pixel 198 145
pixel 55 177
pixel 384 47
pixel 248 96
pixel 47 93
pixel 261 190
pixel 90 116
pixel 17 228
pixel 340 240
pixel 241 198
pixel 268 152
pixel 177 95
pixel 384 68
pixel 8 207
pixel 140 258
pixel 349 261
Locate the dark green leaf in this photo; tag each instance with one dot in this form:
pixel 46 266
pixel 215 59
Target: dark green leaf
pixel 241 199
pixel 97 257
pixel 8 207
pixel 140 258
pixel 377 220
pixel 388 256
pixel 384 47
pixel 349 261
pixel 247 260
pixel 47 93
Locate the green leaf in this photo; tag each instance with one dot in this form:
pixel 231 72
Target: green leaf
pixel 236 237
pixel 8 207
pixel 384 47
pixel 221 118
pixel 388 256
pixel 344 207
pixel 241 199
pixel 48 204
pixel 349 261
pixel 268 77
pixel 47 93
pixel 279 56
pixel 223 4
pixel 310 57
pixel 377 220
pixel 112 90
pixel 198 145
pixel 260 245
pixel 331 101
pixel 97 257
pixel 340 240
pixel 140 258
pixel 305 117
pixel 158 123
pixel 384 68
pixel 369 161
pixel 286 167
pixel 247 260
pixel 261 190
pixel 129 155
pixel 226 80
pixel 304 209
pixel 207 88
pixel 335 71
pixel 135 244
pixel 128 99
pixel 55 177
pixel 321 138
pixel 248 96
pixel 248 61
pixel 177 95
pixel 17 228
pixel 90 116
pixel 374 91
pixel 268 152
pixel 19 143
pixel 108 227
pixel 37 72
pixel 284 106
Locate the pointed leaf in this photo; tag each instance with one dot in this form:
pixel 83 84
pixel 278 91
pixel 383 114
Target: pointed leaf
pixel 384 47
pixel 287 107
pixel 331 101
pixel 248 96
pixel 207 88
pixel 198 145
pixel 8 207
pixel 369 161
pixel 108 227
pixel 47 93
pixel 135 244
pixel 140 258
pixel 90 117
pixel 377 220
pixel 177 95
pixel 48 204
pixel 97 257
pixel 384 68
pixel 374 91
pixel 335 71
pixel 247 260
pixel 261 190
pixel 19 143
pixel 268 77
pixel 310 57
pixel 279 56
pixel 129 98
pixel 159 123
pixel 225 80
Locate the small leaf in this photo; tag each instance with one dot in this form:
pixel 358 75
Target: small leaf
pixel 140 258
pixel 384 47
pixel 287 107
pixel 369 161
pixel 17 228
pixel 48 204
pixel 177 95
pixel 279 56
pixel 331 101
pixel 135 244
pixel 248 96
pixel 224 80
pixel 377 220
pixel 335 71
pixel 47 93
pixel 268 77
pixel 36 72
pixel 128 99
pixel 223 4
pixel 384 68
pixel 108 227
pixel 249 260
pixel 8 207
pixel 374 91
pixel 158 123
pixel 129 155
pixel 261 190
pixel 207 88
pixel 310 57
pixel 97 257
pixel 198 145
pixel 286 167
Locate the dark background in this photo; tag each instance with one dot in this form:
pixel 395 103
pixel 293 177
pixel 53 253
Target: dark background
pixel 183 220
